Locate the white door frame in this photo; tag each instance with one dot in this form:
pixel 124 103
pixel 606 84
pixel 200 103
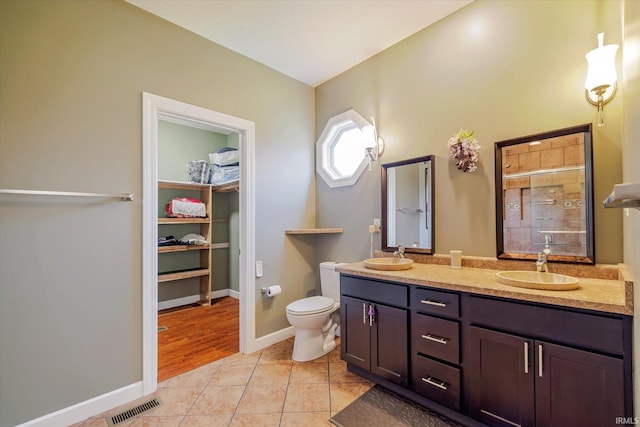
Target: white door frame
pixel 154 108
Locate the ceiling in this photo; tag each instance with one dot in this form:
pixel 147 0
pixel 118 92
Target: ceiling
pixel 308 40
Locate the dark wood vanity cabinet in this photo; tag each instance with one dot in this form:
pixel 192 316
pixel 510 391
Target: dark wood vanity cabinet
pixel 480 359
pixel 435 346
pixel 524 379
pixel 515 380
pixel 374 336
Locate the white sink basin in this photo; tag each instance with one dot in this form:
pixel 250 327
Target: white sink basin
pixel 537 280
pixel 388 263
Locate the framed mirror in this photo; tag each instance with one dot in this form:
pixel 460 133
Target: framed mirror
pixel 544 196
pixel 407 205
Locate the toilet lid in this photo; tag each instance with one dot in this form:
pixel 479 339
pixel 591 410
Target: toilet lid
pixel 311 305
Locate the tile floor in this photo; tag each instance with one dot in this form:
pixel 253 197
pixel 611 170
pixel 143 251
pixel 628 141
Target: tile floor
pixel 265 388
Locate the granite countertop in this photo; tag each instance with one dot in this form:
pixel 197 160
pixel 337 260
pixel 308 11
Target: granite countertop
pixel 606 295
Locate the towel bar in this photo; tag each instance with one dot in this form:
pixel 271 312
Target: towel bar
pixel 127 197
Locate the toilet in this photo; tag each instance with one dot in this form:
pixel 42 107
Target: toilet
pixel 317 318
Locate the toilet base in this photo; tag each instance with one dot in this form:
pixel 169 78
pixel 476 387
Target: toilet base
pixel 311 344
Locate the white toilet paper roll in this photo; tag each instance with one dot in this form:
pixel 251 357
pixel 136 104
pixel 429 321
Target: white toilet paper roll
pixel 274 290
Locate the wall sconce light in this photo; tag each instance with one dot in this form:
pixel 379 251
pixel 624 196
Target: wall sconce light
pixel 601 82
pixel 374 144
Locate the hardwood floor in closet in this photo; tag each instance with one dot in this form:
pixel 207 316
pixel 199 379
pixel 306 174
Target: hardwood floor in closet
pixel 195 336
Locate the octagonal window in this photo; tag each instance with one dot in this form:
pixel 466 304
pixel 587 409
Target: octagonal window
pixel 340 150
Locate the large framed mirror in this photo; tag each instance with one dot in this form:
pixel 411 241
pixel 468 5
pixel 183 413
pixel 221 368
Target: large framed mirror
pixel 544 196
pixel 407 205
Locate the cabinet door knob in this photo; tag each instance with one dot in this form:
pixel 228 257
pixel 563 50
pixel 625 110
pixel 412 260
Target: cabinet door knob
pixel 440 340
pixel 436 303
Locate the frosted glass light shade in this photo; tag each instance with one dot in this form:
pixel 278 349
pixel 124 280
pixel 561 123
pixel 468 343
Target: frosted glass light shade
pixel 369 135
pixel 602 67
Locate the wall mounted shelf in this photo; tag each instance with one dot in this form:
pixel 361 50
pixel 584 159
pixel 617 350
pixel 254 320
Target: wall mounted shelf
pixel 306 231
pixel 624 196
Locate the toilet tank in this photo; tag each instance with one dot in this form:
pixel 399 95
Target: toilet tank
pixel 330 279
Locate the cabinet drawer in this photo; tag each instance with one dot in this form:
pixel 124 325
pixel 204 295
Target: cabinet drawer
pixel 584 330
pixel 435 302
pixel 436 381
pixel 435 337
pixel 375 291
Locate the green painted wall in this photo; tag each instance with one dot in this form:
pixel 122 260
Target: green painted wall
pixel 179 144
pixel 501 68
pixel 72 74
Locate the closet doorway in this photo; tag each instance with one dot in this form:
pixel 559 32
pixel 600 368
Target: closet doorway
pixel 198 235
pixel 173 134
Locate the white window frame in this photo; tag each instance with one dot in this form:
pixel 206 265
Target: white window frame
pixel 329 137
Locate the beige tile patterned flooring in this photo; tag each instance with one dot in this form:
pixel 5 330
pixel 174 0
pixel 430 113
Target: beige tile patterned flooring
pixel 265 388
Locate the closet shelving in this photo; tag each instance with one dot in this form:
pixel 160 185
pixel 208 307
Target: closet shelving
pixel 204 193
pixel 225 188
pixel 203 271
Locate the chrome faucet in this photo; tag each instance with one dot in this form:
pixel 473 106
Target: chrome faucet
pixel 399 252
pixel 541 263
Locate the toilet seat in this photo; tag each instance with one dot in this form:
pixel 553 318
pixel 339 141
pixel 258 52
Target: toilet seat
pixel 310 305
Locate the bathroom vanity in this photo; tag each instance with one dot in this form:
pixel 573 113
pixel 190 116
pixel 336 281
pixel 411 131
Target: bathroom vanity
pixel 478 351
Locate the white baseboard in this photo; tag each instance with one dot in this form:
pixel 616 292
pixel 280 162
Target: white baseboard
pixel 127 394
pixel 192 299
pixel 225 293
pixel 275 337
pixel 177 302
pixel 88 408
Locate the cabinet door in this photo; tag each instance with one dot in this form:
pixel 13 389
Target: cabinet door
pixel 355 340
pixel 390 344
pixel 501 378
pixel 577 388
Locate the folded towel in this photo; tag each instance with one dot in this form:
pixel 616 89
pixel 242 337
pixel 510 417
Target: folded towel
pixel 224 174
pixel 226 156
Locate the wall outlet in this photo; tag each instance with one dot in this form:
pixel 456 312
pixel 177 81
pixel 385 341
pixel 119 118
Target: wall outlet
pixel 376 222
pixel 258 268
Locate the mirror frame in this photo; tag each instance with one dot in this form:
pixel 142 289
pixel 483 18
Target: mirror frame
pixel 431 213
pixel 589 258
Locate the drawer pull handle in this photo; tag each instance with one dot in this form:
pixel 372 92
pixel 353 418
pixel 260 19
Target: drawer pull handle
pixel 435 338
pixel 436 303
pixel 436 383
pixel 499 418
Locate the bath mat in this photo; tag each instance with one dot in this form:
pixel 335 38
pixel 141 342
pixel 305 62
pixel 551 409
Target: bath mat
pixel 379 407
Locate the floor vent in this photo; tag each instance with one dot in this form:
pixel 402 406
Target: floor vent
pixel 130 413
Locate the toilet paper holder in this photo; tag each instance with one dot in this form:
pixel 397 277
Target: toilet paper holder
pixel 271 291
